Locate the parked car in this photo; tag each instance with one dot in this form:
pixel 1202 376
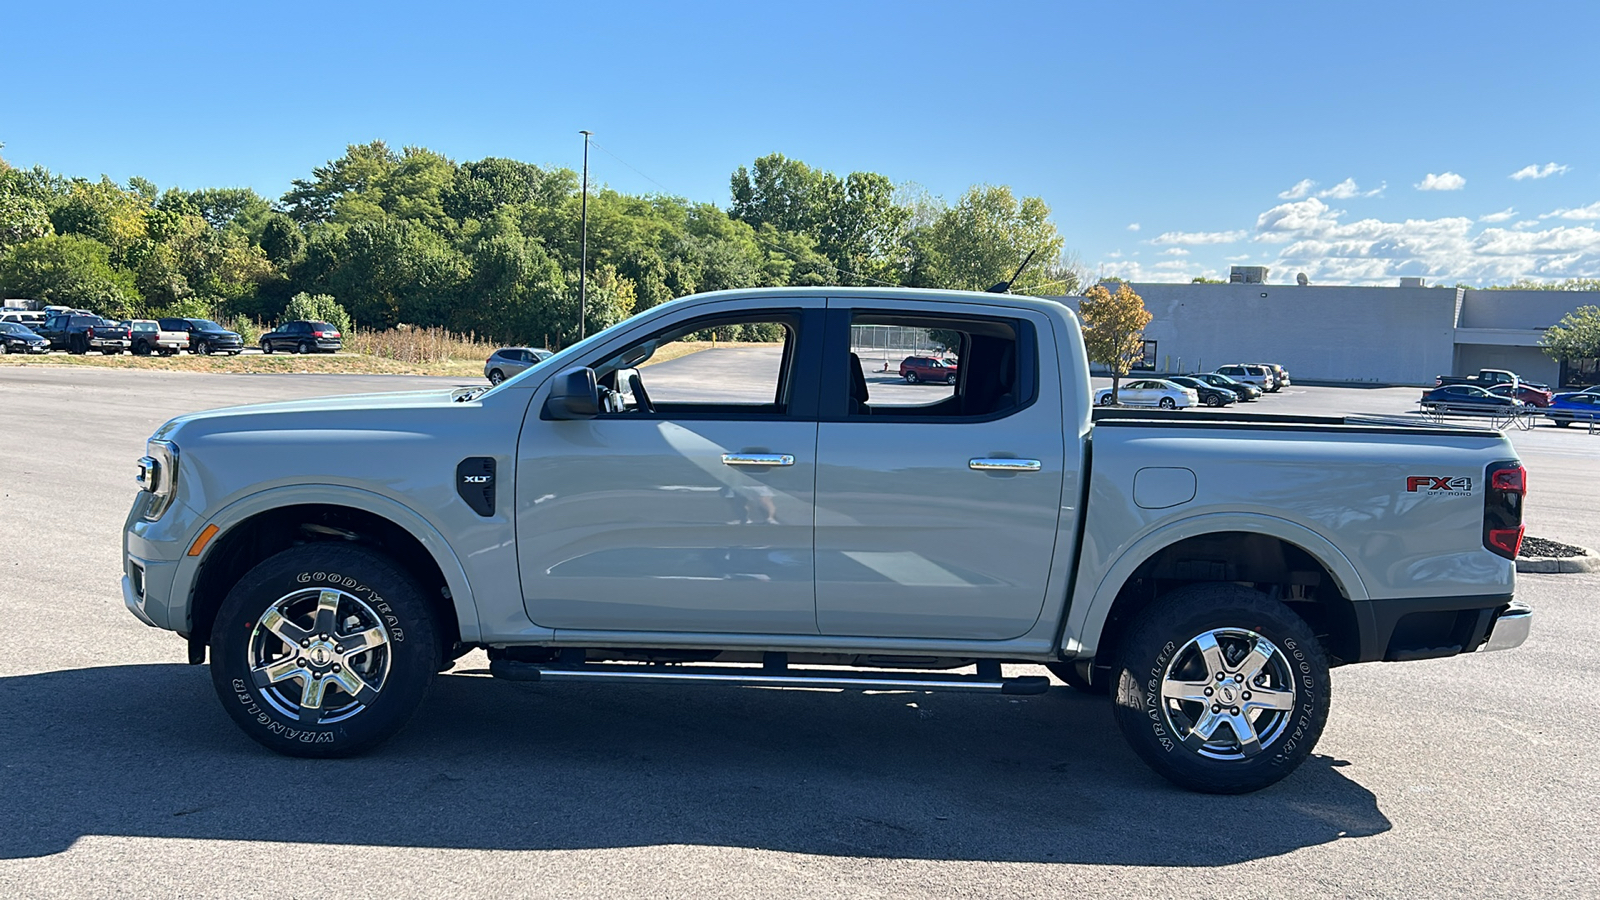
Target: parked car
pixel 1280 373
pixel 329 557
pixel 1487 378
pixel 205 336
pixel 1260 376
pixel 302 336
pixel 1245 391
pixel 1150 392
pixel 81 332
pixel 16 338
pixel 510 361
pixel 1209 396
pixel 1467 399
pixel 1523 391
pixel 929 370
pixel 147 336
pixel 27 318
pixel 1579 406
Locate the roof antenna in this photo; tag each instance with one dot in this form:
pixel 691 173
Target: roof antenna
pixel 1005 286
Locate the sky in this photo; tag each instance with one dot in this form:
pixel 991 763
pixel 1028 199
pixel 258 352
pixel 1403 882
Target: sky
pixel 1354 142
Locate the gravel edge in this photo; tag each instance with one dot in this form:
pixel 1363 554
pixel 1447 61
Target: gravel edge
pixel 1556 565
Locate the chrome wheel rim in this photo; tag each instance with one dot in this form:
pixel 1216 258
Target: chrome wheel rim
pixel 320 655
pixel 1228 694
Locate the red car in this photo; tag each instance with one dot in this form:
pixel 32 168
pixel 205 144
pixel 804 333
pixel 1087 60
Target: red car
pixel 1530 395
pixel 916 369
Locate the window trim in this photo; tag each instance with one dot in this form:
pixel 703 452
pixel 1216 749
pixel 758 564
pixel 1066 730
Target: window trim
pixel 834 381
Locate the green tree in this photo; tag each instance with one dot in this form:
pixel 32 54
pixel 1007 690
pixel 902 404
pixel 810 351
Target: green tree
pixel 981 242
pixel 317 308
pixel 71 270
pixel 781 192
pixel 1576 336
pixel 1113 329
pixel 358 173
pixel 25 201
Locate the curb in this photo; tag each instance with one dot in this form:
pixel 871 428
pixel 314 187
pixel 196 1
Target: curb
pixel 1560 565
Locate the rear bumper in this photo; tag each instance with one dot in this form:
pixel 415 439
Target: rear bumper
pixel 1433 627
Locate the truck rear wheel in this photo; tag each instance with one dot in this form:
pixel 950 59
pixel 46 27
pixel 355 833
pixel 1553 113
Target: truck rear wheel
pixel 323 650
pixel 1221 689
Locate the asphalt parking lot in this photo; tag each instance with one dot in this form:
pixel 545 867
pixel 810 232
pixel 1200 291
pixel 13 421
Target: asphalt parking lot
pixel 121 776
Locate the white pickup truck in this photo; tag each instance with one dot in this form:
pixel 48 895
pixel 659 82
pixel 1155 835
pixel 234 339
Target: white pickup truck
pixel 791 524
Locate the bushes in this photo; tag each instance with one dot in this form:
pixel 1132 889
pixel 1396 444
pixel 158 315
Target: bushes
pixel 317 308
pixel 418 345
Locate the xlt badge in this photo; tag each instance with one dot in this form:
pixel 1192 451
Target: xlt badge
pixel 475 483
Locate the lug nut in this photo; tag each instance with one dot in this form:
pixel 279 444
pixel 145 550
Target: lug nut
pixel 1234 710
pixel 1208 692
pixel 1216 707
pixel 305 642
pixel 1238 678
pixel 1247 695
pixel 1221 676
pixel 301 662
pixel 337 667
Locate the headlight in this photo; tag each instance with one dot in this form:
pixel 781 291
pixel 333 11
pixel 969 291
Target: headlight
pixel 158 475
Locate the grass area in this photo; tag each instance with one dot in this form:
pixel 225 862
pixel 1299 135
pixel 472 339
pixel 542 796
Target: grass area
pixel 256 363
pixel 411 352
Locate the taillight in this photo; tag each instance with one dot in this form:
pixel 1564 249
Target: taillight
pixel 1506 486
pixel 316 334
pixel 90 332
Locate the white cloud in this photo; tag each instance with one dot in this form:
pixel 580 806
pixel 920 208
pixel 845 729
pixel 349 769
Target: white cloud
pixel 1544 171
pixel 1449 181
pixel 1133 226
pixel 1174 251
pixel 1345 190
pixel 1501 216
pixel 1243 257
pixel 1579 214
pixel 1115 254
pixel 1525 224
pixel 1302 188
pixel 1193 238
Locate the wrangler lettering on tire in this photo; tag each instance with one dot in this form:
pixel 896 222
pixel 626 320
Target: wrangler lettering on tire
pixel 323 650
pixel 1221 689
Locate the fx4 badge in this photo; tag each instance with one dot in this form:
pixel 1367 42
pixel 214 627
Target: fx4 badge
pixel 1434 485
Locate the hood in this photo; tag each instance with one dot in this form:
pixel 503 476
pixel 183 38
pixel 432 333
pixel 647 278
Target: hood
pixel 313 413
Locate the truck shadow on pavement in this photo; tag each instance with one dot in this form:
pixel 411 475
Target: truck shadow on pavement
pixel 147 751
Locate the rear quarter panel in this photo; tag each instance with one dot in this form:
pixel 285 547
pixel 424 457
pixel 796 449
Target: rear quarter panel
pixel 1342 495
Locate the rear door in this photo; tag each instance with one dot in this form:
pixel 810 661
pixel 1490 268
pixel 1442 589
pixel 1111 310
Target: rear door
pixel 937 514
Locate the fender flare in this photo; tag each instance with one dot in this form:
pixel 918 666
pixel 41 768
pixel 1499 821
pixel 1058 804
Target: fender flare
pixel 416 525
pixel 1085 622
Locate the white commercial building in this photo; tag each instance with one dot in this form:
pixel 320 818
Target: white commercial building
pixel 1384 335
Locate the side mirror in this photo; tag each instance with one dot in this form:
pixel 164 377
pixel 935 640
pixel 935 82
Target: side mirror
pixel 573 395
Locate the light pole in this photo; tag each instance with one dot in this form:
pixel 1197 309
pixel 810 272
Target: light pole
pixel 583 271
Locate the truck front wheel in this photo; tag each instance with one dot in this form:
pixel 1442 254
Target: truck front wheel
pixel 1221 689
pixel 323 650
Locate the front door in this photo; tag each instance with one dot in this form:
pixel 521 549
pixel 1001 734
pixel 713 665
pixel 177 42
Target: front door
pixel 938 518
pixel 688 507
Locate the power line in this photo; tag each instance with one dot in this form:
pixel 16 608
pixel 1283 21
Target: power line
pixel 756 237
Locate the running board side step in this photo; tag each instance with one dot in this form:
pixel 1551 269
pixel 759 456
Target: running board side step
pixel 752 676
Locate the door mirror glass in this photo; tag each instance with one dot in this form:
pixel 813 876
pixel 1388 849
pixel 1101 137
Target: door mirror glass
pixel 574 395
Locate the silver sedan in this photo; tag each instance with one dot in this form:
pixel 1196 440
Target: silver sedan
pixel 509 361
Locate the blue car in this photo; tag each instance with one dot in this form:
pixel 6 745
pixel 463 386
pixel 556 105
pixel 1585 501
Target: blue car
pixel 1583 406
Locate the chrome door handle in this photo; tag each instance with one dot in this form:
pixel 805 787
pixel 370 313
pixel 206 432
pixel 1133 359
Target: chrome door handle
pixel 1005 464
pixel 757 459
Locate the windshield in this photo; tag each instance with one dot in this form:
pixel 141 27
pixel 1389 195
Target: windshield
pixel 206 325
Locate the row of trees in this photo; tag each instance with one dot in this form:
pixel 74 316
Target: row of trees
pixel 492 246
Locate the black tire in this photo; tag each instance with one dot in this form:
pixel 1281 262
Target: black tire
pixel 1560 422
pixel 496 376
pixel 1214 401
pixel 949 379
pixel 4 348
pixel 202 349
pixel 1164 642
pixel 266 346
pixel 303 347
pixel 1068 672
pixel 1168 403
pixel 911 378
pixel 386 601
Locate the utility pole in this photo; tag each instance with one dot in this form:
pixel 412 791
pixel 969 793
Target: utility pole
pixel 583 272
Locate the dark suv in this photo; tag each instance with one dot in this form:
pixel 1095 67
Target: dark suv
pixel 205 336
pixel 302 336
pixel 916 369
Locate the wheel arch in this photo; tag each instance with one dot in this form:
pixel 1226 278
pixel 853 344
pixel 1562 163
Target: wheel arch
pixel 1267 548
pixel 252 528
